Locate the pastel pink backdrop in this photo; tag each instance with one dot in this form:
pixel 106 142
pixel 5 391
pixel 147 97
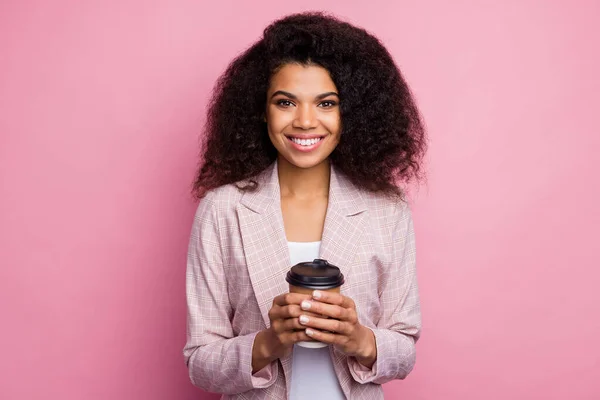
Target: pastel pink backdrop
pixel 101 105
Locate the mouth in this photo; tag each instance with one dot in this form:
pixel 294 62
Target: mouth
pixel 306 143
pixel 306 140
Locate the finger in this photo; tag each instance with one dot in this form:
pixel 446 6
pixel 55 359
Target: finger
pixel 290 298
pixel 277 326
pixel 292 324
pixel 322 324
pixel 329 310
pixel 285 312
pixel 327 337
pixel 284 326
pixel 295 337
pixel 333 298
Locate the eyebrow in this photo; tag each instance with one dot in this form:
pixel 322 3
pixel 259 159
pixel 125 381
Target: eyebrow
pixel 293 96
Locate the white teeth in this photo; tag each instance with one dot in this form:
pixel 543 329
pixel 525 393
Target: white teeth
pixel 306 142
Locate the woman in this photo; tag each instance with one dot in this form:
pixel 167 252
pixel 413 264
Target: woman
pixel 310 132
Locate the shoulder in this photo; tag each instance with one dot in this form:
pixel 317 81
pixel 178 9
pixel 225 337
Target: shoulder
pixel 224 199
pixel 379 204
pixel 389 216
pixel 219 200
pixel 393 213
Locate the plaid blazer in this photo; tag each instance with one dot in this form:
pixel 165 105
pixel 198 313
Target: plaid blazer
pixel 237 261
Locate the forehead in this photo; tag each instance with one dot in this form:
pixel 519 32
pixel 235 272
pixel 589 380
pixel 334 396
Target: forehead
pixel 302 79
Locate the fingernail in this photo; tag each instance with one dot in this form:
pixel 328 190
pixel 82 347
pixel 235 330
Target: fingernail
pixel 303 319
pixel 317 294
pixel 305 305
pixel 309 332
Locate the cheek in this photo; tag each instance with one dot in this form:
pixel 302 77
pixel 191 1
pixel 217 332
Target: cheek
pixel 273 137
pixel 275 127
pixel 272 127
pixel 333 123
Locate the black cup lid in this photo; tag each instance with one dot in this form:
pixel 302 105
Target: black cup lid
pixel 318 274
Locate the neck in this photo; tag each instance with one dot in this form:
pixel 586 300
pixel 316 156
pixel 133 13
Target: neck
pixel 303 182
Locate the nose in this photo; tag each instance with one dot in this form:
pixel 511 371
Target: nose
pixel 305 117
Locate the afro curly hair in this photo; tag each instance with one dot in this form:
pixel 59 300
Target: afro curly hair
pixel 383 139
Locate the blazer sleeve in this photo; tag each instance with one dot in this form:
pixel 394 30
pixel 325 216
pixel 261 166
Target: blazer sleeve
pixel 217 360
pixel 400 324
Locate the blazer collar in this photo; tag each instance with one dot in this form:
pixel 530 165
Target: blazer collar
pixel 342 193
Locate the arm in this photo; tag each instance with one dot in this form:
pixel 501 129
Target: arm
pixel 217 360
pixel 400 324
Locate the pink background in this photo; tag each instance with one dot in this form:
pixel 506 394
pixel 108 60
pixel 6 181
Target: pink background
pixel 101 104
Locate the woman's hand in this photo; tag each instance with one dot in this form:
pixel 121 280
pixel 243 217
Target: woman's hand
pixel 342 329
pixel 285 330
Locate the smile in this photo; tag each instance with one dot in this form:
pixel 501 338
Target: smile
pixel 306 144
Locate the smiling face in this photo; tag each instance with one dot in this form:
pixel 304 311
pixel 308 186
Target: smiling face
pixel 303 114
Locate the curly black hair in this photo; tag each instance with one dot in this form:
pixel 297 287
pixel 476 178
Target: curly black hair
pixel 383 138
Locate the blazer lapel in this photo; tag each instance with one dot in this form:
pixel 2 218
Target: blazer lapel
pixel 344 221
pixel 263 238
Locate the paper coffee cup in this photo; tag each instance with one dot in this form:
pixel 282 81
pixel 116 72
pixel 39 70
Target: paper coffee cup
pixel 318 274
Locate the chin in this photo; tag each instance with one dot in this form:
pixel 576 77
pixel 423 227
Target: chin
pixel 305 162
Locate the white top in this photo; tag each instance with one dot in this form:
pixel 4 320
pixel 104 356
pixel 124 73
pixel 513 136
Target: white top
pixel 313 376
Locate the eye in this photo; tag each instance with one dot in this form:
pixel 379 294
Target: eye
pixel 328 104
pixel 284 103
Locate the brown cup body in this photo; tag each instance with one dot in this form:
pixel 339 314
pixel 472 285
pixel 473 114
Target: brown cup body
pixel 303 290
